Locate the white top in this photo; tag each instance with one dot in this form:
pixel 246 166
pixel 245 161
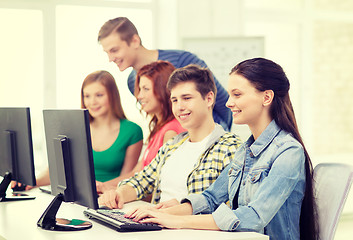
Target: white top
pixel 177 168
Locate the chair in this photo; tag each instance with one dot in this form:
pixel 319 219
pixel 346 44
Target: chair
pixel 332 182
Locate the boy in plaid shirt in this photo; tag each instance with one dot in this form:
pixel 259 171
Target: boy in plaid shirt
pixel 191 161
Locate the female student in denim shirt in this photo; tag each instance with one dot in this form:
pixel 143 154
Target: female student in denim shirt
pixel 269 183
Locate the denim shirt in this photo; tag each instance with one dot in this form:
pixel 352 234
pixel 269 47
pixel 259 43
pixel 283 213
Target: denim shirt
pixel 271 175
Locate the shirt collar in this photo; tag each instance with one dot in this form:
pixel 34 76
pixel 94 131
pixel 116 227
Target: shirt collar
pixel 264 139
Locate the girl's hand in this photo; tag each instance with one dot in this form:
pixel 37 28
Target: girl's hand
pixel 162 219
pixel 167 204
pixel 138 213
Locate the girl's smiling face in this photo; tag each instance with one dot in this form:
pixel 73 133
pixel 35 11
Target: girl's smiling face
pixel 149 102
pixel 245 101
pixel 96 99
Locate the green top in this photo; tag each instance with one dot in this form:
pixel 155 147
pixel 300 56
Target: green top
pixel 108 163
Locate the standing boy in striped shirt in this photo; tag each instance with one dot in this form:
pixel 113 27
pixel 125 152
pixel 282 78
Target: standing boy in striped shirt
pixel 120 40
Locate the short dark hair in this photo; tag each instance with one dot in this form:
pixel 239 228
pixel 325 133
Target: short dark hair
pixel 202 77
pixel 121 25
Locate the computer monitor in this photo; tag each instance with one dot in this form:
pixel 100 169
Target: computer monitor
pixel 71 168
pixel 16 151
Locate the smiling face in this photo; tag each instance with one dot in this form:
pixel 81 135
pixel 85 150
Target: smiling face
pixel 146 97
pixel 189 107
pixel 96 99
pixel 245 101
pixel 119 51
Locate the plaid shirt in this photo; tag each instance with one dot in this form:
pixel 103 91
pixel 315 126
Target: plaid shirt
pixel 211 163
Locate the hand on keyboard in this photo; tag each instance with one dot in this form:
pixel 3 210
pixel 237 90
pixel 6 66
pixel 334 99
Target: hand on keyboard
pixel 127 224
pixel 112 199
pixel 138 213
pixel 167 204
pixel 163 219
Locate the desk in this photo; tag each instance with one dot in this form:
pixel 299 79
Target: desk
pixel 18 220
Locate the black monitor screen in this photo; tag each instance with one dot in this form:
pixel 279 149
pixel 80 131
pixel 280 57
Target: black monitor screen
pixel 16 148
pixel 70 156
pixel 71 169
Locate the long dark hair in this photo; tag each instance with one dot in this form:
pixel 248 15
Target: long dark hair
pixel 267 75
pixel 158 72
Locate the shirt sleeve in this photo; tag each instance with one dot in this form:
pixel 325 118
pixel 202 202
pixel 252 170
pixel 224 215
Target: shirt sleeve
pixel 131 81
pixel 135 132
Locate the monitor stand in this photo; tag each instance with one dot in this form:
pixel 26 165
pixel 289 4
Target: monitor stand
pixel 48 220
pixel 16 196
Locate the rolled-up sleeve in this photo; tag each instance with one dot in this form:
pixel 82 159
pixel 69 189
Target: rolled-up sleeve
pixel 198 202
pixel 225 218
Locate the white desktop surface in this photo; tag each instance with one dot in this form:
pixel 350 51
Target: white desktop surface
pixel 18 220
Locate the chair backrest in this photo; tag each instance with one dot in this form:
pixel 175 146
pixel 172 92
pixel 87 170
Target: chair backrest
pixel 332 182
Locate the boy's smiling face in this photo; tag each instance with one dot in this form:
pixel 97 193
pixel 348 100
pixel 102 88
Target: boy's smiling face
pixel 188 106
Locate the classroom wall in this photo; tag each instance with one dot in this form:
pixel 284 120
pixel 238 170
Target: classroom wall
pixel 313 41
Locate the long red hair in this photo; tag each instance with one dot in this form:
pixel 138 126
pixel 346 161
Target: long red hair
pixel 158 72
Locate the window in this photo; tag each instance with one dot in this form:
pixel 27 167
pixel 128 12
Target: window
pixel 48 48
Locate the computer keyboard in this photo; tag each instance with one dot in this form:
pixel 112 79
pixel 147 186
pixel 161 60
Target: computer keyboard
pixel 115 219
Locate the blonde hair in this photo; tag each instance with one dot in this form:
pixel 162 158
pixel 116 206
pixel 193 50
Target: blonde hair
pixel 108 81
